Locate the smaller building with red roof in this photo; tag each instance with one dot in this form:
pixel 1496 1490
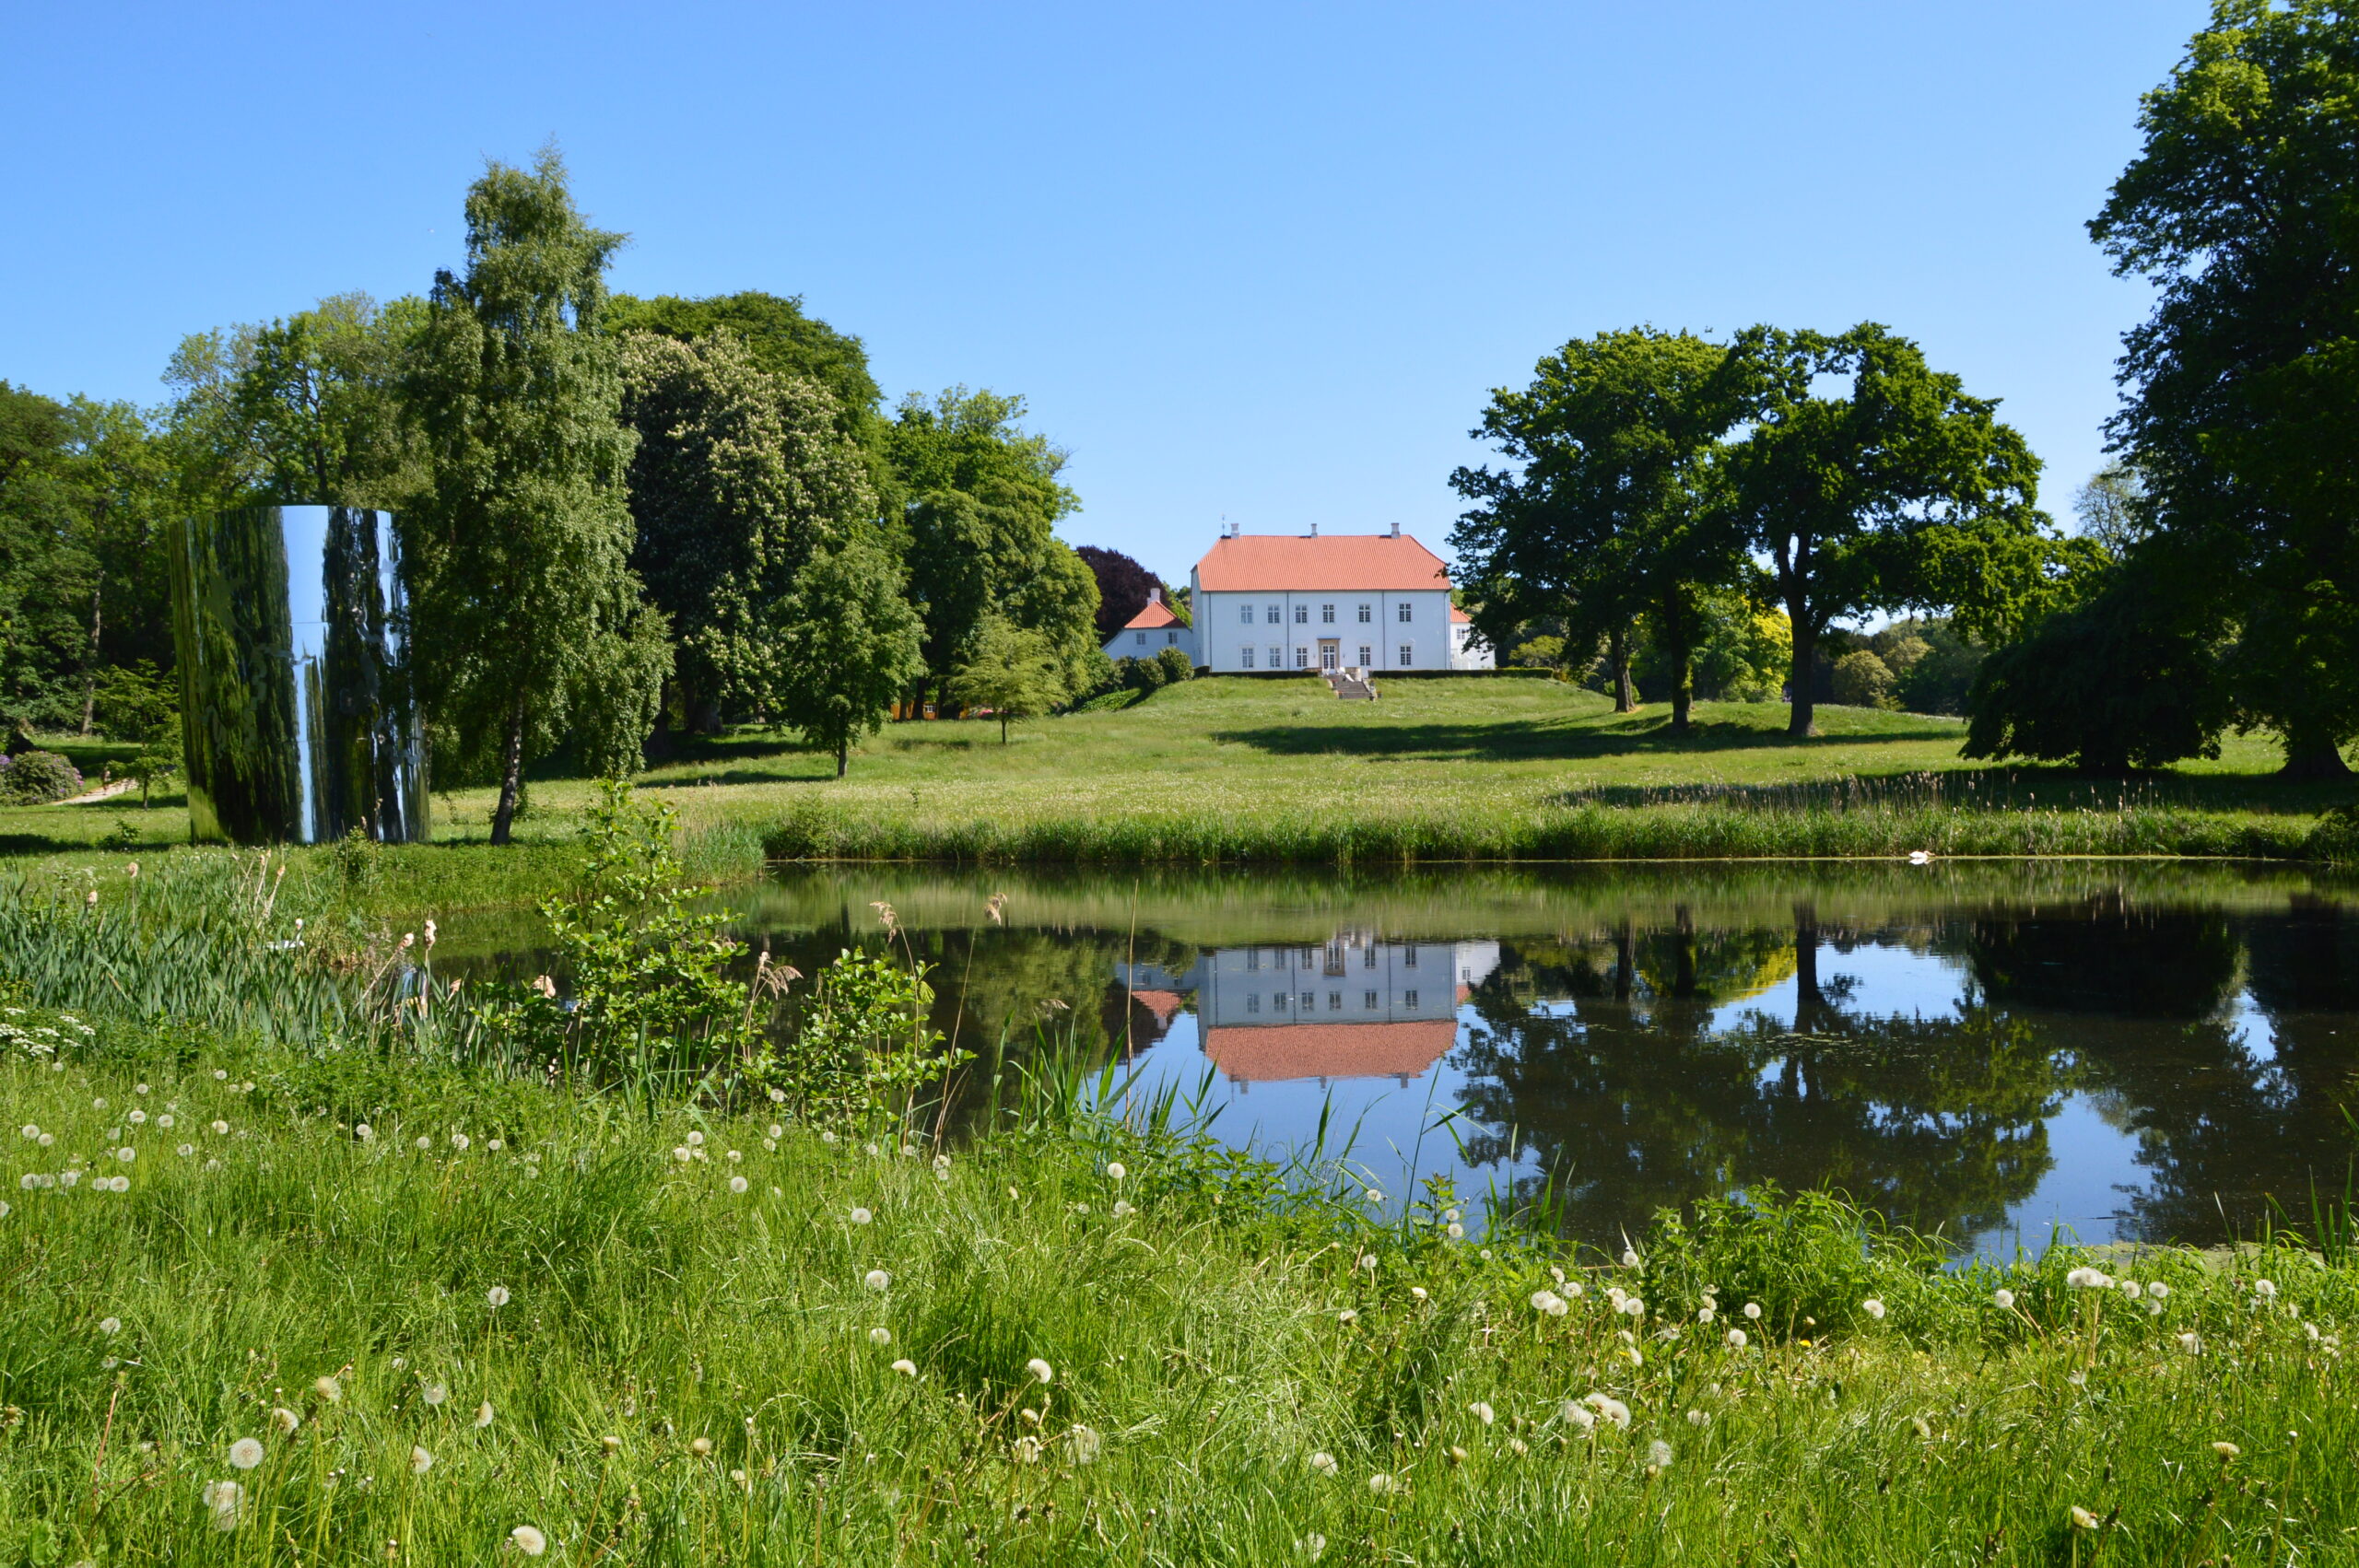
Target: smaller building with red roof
pixel 1152 629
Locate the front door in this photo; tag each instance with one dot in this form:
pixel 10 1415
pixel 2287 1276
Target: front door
pixel 1330 654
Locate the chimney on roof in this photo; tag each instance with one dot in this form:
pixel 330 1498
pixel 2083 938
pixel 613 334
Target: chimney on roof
pixel 1154 595
pixel 1396 531
pixel 1314 530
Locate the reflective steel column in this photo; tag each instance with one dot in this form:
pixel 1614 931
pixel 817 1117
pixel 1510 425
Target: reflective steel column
pixel 297 722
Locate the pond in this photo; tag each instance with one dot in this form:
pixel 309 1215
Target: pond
pixel 2001 1053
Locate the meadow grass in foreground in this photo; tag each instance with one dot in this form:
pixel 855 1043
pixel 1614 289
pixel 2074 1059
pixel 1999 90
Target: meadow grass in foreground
pixel 235 1327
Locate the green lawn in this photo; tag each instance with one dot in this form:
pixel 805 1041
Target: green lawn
pixel 1215 769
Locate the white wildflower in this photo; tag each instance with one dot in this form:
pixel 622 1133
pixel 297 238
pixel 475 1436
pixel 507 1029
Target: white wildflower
pixel 737 1184
pixel 421 1461
pixel 2004 1297
pixel 1323 1462
pixel 498 1295
pixel 1753 1309
pixel 860 1216
pixel 1659 1454
pixel 1040 1369
pixel 877 1280
pixel 1735 1338
pixel 245 1453
pixel 528 1540
pixel 906 1368
pixel 1115 1171
pixel 1482 1412
pixel 1874 1308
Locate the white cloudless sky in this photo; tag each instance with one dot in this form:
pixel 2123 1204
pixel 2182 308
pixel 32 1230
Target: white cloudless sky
pixel 1262 261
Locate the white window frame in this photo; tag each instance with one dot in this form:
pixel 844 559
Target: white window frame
pixel 1406 613
pixel 1245 613
pixel 1249 658
pixel 1408 656
pixel 1367 614
pixel 1326 615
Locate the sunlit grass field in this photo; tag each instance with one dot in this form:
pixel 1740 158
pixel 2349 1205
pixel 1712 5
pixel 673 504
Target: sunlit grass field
pixel 504 1320
pixel 1217 770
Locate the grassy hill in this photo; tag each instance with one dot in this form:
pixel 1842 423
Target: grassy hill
pixel 1217 770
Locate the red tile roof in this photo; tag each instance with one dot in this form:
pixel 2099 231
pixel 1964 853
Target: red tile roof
pixel 1273 1052
pixel 1156 613
pixel 1343 563
pixel 1458 618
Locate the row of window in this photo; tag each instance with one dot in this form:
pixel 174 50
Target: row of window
pixel 1171 639
pixel 1407 654
pixel 1311 959
pixel 1278 999
pixel 1403 612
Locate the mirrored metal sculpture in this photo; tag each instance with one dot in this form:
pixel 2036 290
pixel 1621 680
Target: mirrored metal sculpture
pixel 293 706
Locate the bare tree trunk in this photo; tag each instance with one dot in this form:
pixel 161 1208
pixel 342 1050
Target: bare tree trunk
pixel 2308 758
pixel 511 774
pixel 1801 722
pixel 91 665
pixel 1617 658
pixel 1677 637
pixel 843 760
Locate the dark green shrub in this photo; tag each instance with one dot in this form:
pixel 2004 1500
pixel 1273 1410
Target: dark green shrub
pixel 1146 675
pixel 33 778
pixel 1176 665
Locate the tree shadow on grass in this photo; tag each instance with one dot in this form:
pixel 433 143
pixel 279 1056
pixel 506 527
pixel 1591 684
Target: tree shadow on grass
pixel 1549 739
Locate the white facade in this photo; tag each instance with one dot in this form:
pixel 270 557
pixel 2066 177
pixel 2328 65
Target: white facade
pixel 1145 642
pixel 1465 652
pixel 1324 630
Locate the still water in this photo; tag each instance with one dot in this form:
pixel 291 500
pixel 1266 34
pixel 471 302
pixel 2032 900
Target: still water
pixel 2000 1054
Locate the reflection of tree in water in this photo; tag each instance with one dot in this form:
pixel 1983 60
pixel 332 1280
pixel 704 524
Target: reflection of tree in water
pixel 1633 1100
pixel 2227 1116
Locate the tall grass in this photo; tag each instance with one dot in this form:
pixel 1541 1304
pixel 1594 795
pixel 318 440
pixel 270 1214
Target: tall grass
pixel 1797 822
pixel 684 1373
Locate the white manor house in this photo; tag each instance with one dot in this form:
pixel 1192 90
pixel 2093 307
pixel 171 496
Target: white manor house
pixel 1368 601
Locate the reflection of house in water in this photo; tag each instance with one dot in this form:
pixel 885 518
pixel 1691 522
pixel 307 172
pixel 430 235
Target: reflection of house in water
pixel 1354 1008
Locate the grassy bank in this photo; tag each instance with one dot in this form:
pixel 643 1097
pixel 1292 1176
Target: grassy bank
pixel 691 1360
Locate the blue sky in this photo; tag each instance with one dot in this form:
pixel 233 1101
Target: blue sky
pixel 1261 261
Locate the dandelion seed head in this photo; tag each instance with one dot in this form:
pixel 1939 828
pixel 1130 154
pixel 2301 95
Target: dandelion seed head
pixel 483 1415
pixel 695 1139
pixel 528 1540
pixel 906 1368
pixel 434 1393
pixel 877 1280
pixel 1417 1293
pixel 110 1326
pixel 1455 1231
pixel 1040 1369
pixel 421 1461
pixel 2265 1289
pixel 880 1336
pixel 498 1295
pixel 1323 1462
pixel 245 1453
pixel 737 1184
pixel 1735 1338
pixel 1874 1308
pixel 1380 1483
pixel 1753 1309
pixel 2083 1518
pixel 1659 1454
pixel 1349 1315
pixel 1629 1257
pixel 227 1499
pixel 221 1130
pixel 1578 1415
pixel 2227 1451
pixel 860 1216
pixel 327 1389
pixel 701 1448
pixel 287 1421
pixel 2004 1297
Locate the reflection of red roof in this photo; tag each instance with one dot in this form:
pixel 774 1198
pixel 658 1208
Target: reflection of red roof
pixel 1156 613
pixel 1165 1005
pixel 1343 563
pixel 1329 1050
